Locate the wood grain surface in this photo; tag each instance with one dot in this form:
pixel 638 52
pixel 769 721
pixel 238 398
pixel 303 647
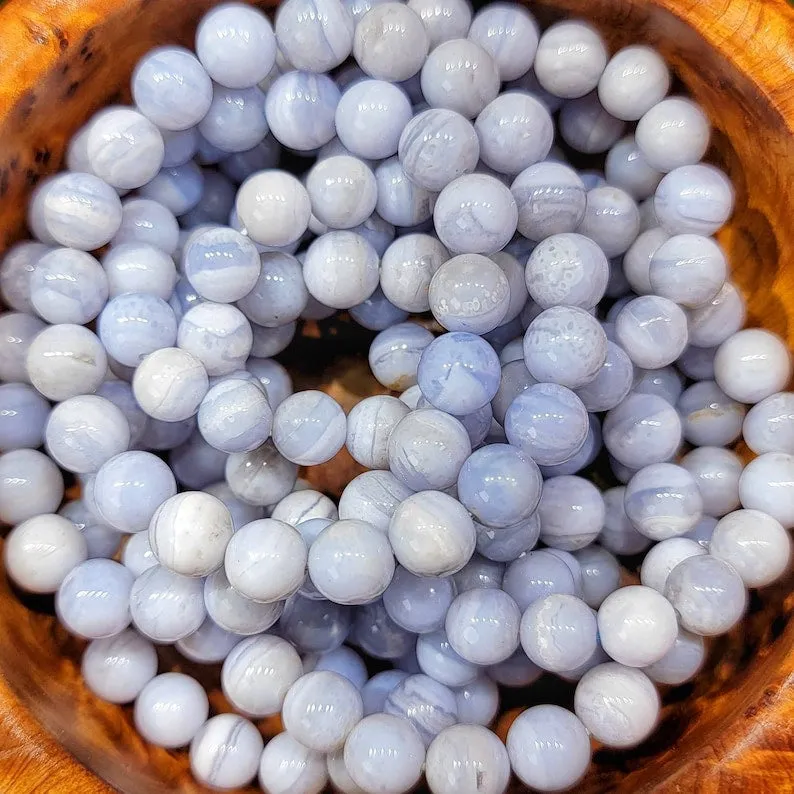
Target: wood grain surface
pixel 729 731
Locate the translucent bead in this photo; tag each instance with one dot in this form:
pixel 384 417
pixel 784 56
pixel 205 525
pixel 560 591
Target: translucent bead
pixel 170 710
pixel 718 319
pixel 551 199
pixel 236 45
pixel 663 557
pixel 23 416
pixel 570 58
pixel 139 268
pixel 600 574
pixel 234 612
pixel 238 166
pixel 209 644
pixel 369 426
pixel 373 497
pixel 218 335
pixel 751 365
pixel 708 595
pixel 17 332
pixel 509 34
pixel 76 210
pixel 618 534
pixel 635 80
pixel 117 669
pixel 625 168
pixel 549 748
pixel 180 146
pixel 460 75
pixel 171 88
pixel 507 543
pixel 664 382
pixel 315 36
pixel 440 661
pixel 16 270
pixel 300 110
pixel 288 767
pixel 611 219
pixel 370 118
pixel 681 663
pixel 262 476
pixel 652 330
pixel 338 774
pixel 137 554
pixel 272 341
pixel 225 752
pixel 709 417
pixel 612 383
pixel 672 133
pixel 344 661
pixel 306 505
pixel 93 600
pixel 400 201
pixel 587 127
pixel 235 416
pixel 315 626
pixel 769 425
pixel 767 484
pixel 571 512
pixel 395 353
pixel 361 551
pixel 179 188
pixel 482 626
pixel 242 513
pixel 377 635
pixel 418 603
pixel 309 428
pixel 432 534
pixel 688 269
pixel 567 269
pixel 273 207
pixel 716 472
pixel 30 485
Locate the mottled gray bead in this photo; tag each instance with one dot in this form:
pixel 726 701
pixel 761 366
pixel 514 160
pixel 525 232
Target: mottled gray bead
pixel 315 35
pixel 571 512
pixel 407 268
pixel 708 595
pixel 549 748
pixel 437 146
pixel 681 663
pixel 428 705
pixel 460 75
pixel 262 476
pixel 551 199
pixel 400 201
pixel 611 219
pixel 225 752
pixel 652 330
pixel 635 79
pixel 370 118
pixel 16 270
pixel 570 59
pixel 171 88
pixel 642 430
pixel 672 133
pixel 618 705
pixel 395 353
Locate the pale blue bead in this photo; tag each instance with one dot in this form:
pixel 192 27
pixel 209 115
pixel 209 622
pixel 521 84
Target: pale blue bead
pixel 218 335
pixel 76 210
pixel 437 146
pixel 688 269
pixel 209 644
pixel 567 269
pixel 528 82
pixel 611 219
pixel 16 269
pixel 262 476
pixel 171 88
pixel 475 214
pixel 551 199
pixel 642 430
pixel 377 232
pixel 139 267
pixel 120 394
pixel 652 330
pixel 477 424
pixel 344 661
pixel 234 612
pixel 183 298
pixel 505 544
pixel 427 448
pixel 460 75
pixel 370 118
pixel 709 417
pixel 179 188
pixel 418 603
pixel 478 702
pixel 400 201
pixel 207 153
pixel 180 146
pixel 428 705
pixel 708 595
pixel 315 626
pixel 235 121
pixel 626 168
pixel 509 33
pixel 664 382
pixel 587 127
pixel 438 660
pixel 482 626
pixel 767 484
pixel 30 485
pixel 571 513
pixel 716 472
pixel 196 464
pixel 236 45
pixel 694 199
pixel 718 319
pixel 769 425
pixel 378 688
pixel 373 497
pixel 377 313
pixel 309 428
pixel 515 131
pixel 93 600
pixel 581 459
pixel 395 353
pixel 565 345
pixel 548 422
pixel 130 487
pixel 499 485
pixel 235 416
pixel 619 535
pixel 549 748
pixel 238 166
pixel 459 373
pixel 134 324
pixel 161 435
pixel 357 8
pixel 167 606
pixel 23 414
pixel 147 221
pixel 301 108
pixel 279 296
pixel 515 379
pixel 272 341
pixel 479 573
pixel 612 383
pixel 273 377
pixel 315 35
pixel 68 286
pixel 378 635
pixel 663 501
pixel 601 574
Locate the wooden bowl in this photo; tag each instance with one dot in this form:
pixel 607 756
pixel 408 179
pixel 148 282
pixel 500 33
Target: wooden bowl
pixel 728 731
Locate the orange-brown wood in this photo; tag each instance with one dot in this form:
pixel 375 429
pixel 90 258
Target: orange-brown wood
pixel 728 731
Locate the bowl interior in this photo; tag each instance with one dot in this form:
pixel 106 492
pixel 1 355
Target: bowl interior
pixel 61 61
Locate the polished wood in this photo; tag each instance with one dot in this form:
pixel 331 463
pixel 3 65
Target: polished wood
pixel 728 731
